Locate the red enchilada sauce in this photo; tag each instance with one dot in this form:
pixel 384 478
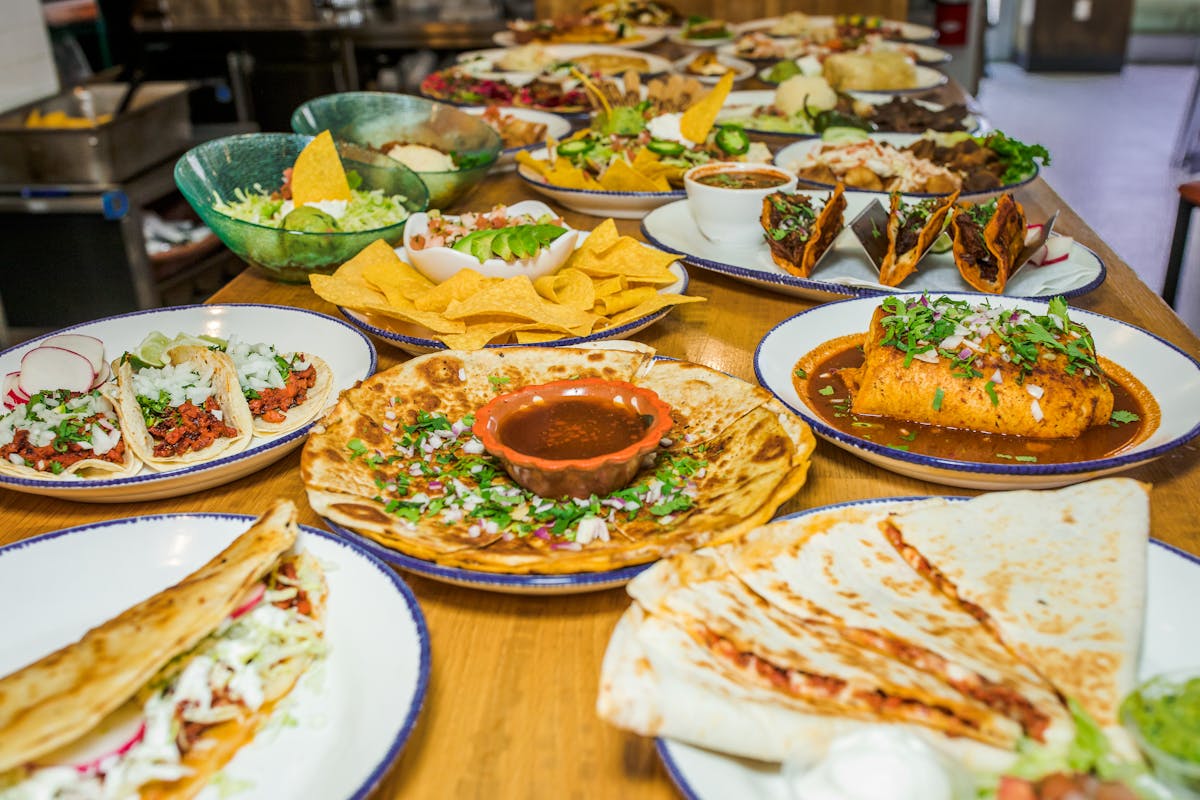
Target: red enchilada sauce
pixel 827 395
pixel 570 428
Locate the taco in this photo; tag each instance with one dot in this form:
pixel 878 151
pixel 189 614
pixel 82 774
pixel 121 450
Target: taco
pixel 283 390
pixel 987 240
pixel 181 680
pixel 62 433
pixel 911 230
pixel 396 461
pixel 185 412
pixel 798 231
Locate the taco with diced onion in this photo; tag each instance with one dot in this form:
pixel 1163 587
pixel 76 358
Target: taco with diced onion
pixel 911 230
pixel 187 411
pixel 988 238
pixel 60 433
pixel 283 390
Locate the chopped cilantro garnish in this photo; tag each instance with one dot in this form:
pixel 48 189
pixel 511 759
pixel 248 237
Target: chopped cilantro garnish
pixel 1119 417
pixel 357 448
pixel 801 374
pixel 938 396
pixel 990 388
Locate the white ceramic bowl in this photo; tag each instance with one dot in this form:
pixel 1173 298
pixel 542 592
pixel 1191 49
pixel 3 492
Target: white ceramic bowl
pixel 439 264
pixel 730 215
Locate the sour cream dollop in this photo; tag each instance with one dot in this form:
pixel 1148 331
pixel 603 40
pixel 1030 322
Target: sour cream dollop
pixel 881 763
pixel 666 127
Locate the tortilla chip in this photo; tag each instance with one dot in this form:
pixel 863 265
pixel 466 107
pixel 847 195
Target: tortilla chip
pixel 653 304
pixel 568 176
pixel 610 285
pixel 698 120
pixel 602 237
pixel 568 287
pixel 622 177
pixel 622 301
pixel 627 257
pixel 460 286
pixel 478 336
pixel 515 298
pixel 538 165
pixel 536 336
pixel 318 174
pixel 391 275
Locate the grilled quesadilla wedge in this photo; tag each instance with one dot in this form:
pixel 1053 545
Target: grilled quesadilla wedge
pixel 396 461
pixel 185 412
pixel 1058 577
pixel 61 433
pixel 185 677
pixel 987 240
pixel 799 231
pixel 911 230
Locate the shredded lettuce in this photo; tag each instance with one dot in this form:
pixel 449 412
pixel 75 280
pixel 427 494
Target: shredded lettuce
pixel 366 211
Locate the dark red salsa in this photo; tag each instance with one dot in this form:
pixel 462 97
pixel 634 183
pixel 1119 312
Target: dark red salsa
pixel 828 396
pixel 743 179
pixel 572 428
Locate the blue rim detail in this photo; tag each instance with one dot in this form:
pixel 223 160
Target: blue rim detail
pixel 487 579
pixel 414 608
pixel 1118 461
pixel 194 469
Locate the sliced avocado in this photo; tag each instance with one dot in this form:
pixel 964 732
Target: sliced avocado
pixel 463 245
pixel 501 247
pixel 522 241
pixel 309 220
pixel 624 120
pixel 545 234
pixel 481 248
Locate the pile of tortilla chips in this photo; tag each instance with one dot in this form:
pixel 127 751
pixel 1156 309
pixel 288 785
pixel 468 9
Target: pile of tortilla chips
pixel 646 172
pixel 609 280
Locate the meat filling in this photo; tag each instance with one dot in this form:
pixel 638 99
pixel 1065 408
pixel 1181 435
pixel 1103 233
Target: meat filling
pixel 190 428
pixel 43 459
pixel 272 405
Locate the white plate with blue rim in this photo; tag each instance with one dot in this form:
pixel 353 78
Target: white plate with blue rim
pixel 348 352
pixel 1169 374
pixel 568 583
pixel 556 127
pixel 1173 581
pixel 347 719
pixel 791 156
pixel 740 109
pixel 846 270
pixel 598 203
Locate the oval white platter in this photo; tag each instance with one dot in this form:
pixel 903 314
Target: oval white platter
pixel 1173 581
pixel 598 203
pixel 644 37
pixel 846 270
pixel 348 352
pixel 743 104
pixel 565 52
pixel 352 712
pixel 1171 376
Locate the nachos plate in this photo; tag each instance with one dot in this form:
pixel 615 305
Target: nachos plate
pixel 395 461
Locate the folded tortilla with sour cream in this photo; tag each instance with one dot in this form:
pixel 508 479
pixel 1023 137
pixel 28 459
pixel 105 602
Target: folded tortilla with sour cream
pixel 150 662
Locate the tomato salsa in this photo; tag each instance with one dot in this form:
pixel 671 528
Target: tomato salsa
pixel 568 428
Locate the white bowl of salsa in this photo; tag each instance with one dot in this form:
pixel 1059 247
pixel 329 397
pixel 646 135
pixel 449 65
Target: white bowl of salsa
pixel 726 197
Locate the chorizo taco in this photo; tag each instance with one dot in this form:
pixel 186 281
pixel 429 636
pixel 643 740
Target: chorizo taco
pixel 154 702
pixel 799 229
pixel 987 241
pixel 283 390
pixel 911 230
pixel 60 433
pixel 184 412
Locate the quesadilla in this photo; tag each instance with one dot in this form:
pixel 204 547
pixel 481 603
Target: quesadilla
pixel 1058 577
pixel 184 412
pixel 60 433
pixel 987 240
pixel 180 681
pixel 910 233
pixel 798 230
pixel 396 461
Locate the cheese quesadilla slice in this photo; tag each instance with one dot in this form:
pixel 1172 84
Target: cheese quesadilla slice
pixel 878 602
pixel 1058 576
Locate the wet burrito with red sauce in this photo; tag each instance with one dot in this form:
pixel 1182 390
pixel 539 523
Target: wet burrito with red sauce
pixel 184 412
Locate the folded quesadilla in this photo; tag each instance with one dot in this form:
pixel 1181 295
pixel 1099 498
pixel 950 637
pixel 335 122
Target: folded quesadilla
pixel 949 363
pixel 155 701
pixel 1058 577
pixel 60 433
pixel 911 230
pixel 987 240
pixel 799 229
pixel 184 412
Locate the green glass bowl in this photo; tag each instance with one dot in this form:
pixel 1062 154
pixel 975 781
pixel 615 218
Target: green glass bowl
pixel 372 119
pixel 218 168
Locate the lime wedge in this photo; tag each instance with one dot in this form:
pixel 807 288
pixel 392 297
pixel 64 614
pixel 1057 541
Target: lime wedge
pixel 155 347
pixel 942 243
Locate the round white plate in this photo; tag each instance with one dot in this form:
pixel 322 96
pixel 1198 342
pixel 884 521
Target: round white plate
pixel 570 583
pixel 354 710
pixel 567 52
pixel 646 37
pixel 791 155
pixel 909 31
pixel 1171 376
pixel 846 270
pixel 926 78
pixel 621 205
pixel 741 69
pixel 1173 581
pixel 556 126
pixel 349 353
pixel 744 103
pixel 678 38
pixel 416 340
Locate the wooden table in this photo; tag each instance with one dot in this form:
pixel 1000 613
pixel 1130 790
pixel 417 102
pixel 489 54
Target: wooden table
pixel 509 713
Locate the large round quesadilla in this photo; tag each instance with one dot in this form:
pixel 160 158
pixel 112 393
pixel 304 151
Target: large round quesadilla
pixel 170 689
pixel 396 461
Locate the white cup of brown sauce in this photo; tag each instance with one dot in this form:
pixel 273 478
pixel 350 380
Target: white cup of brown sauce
pixel 726 197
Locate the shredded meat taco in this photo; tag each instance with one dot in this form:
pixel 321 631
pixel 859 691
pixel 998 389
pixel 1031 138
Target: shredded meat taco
pixel 987 240
pixel 799 230
pixel 911 230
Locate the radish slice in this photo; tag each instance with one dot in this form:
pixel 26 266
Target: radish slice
pixel 55 368
pixel 252 599
pixel 1032 232
pixel 1039 257
pixel 116 734
pixel 102 375
pixel 93 766
pixel 89 347
pixel 1058 248
pixel 10 391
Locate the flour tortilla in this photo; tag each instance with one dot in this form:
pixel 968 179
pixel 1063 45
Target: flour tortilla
pixel 303 413
pixel 229 398
pixel 757 453
pixel 84 468
pixel 1058 576
pixel 65 694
